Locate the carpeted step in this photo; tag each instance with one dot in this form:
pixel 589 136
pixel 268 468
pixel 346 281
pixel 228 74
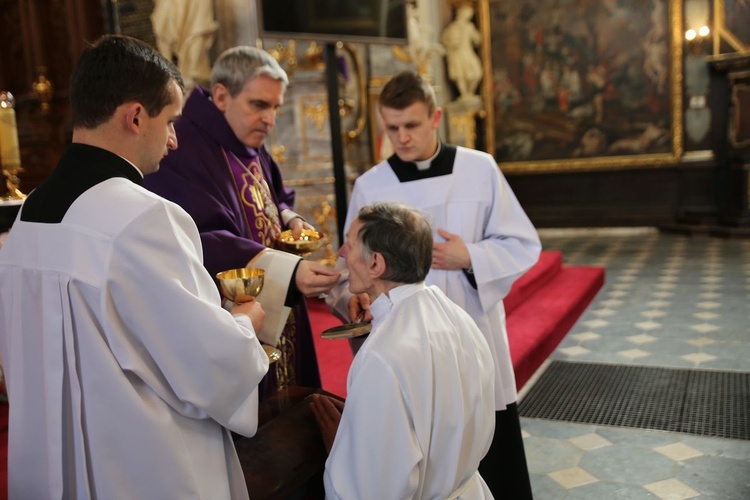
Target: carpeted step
pixel 334 356
pixel 548 265
pixel 553 300
pixel 536 326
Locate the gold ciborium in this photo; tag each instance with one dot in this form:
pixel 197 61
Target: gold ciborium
pixel 309 241
pixel 243 285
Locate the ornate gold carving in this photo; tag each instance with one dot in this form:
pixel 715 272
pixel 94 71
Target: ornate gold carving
pixel 278 152
pixel 313 108
pixel 286 56
pixel 42 88
pixel 312 57
pixel 317 113
pixel 324 217
pixel 464 126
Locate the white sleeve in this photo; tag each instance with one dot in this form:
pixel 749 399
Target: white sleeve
pixel 375 454
pixel 167 326
pixel 280 267
pixel 510 246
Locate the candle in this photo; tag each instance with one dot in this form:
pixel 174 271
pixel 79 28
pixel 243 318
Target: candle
pixel 10 155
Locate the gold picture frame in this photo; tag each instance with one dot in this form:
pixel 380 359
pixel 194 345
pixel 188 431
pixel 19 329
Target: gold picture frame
pixel 628 93
pixel 731 19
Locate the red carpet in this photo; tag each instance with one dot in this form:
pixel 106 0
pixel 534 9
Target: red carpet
pixel 3 450
pixel 541 308
pixel 334 356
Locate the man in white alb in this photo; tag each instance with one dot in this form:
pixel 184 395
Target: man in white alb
pixel 483 242
pixel 124 373
pixel 420 409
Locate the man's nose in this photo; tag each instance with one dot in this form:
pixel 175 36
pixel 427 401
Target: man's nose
pixel 172 141
pixel 269 117
pixel 403 136
pixel 343 252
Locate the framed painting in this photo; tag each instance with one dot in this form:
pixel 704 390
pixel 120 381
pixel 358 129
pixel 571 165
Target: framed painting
pixel 582 85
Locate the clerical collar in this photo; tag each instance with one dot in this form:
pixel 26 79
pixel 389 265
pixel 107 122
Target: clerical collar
pixel 384 302
pixel 133 165
pixel 440 164
pixel 425 164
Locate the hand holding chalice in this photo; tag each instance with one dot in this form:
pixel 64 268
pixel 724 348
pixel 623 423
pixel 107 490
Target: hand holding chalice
pixel 242 286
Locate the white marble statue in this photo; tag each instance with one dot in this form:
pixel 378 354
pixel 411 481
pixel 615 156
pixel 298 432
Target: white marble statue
pixel 184 31
pixel 421 47
pixel 460 38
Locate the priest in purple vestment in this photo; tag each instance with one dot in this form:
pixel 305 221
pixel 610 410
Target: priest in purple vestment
pixel 224 177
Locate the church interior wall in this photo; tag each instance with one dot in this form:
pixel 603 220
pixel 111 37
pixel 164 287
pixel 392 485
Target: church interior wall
pixel 685 191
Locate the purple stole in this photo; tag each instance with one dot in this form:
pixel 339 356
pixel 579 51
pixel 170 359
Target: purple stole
pixel 260 210
pixel 263 223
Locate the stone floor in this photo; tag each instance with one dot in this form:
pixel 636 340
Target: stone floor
pixel 668 301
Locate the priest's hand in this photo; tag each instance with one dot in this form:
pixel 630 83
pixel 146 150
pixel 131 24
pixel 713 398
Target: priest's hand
pixel 313 278
pixel 359 308
pixel 327 411
pixel 297 225
pixel 252 310
pixel 452 254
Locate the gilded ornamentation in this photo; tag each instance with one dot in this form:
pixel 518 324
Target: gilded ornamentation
pixel 278 152
pixel 42 89
pixel 317 113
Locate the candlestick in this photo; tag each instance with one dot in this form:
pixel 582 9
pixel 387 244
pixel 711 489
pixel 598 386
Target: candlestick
pixel 10 155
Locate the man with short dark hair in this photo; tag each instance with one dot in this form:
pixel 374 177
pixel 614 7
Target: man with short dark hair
pixel 124 373
pixel 419 414
pixel 483 242
pixel 224 177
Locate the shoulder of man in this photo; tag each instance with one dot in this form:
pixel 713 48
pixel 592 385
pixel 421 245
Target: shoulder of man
pixel 473 158
pixel 376 171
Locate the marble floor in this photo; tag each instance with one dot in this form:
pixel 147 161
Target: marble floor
pixel 669 301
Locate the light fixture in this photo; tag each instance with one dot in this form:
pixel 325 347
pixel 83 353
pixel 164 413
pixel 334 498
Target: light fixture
pixel 697 41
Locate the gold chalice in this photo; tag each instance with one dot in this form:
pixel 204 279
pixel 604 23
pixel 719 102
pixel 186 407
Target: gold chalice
pixel 243 285
pixel 309 241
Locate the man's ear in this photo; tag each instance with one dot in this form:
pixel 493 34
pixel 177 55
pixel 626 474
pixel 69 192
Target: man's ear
pixel 220 95
pixel 134 113
pixel 437 116
pixel 378 266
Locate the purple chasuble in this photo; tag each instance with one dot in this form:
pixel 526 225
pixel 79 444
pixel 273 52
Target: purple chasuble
pixel 236 218
pixel 264 224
